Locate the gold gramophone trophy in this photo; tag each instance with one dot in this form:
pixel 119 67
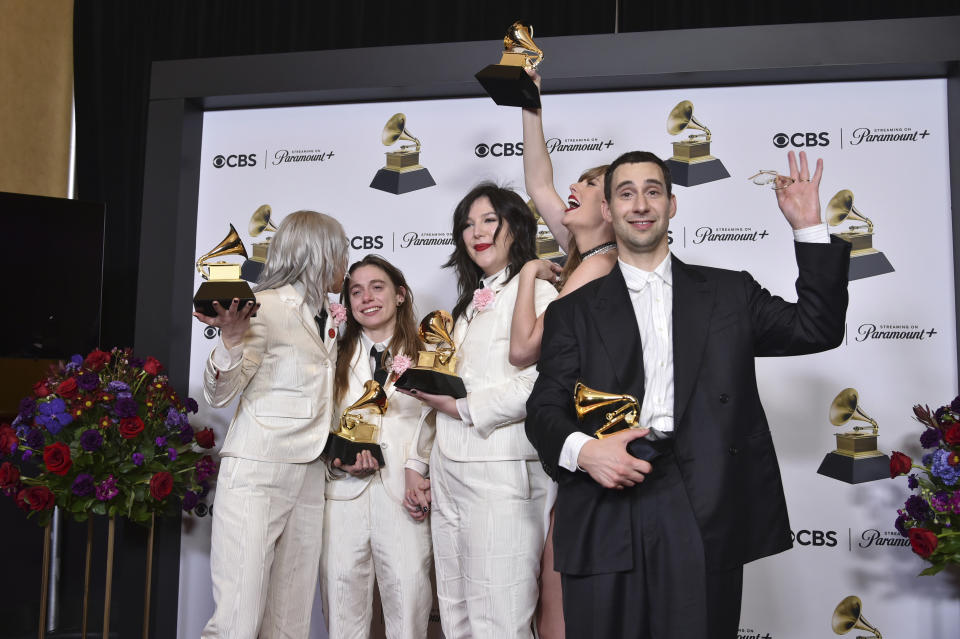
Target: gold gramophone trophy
pixel 436 370
pixel 547 246
pixel 626 415
pixel 856 458
pixel 865 261
pixel 691 163
pixel 260 222
pixel 355 435
pixel 223 278
pixel 507 82
pixel 403 172
pixel 849 615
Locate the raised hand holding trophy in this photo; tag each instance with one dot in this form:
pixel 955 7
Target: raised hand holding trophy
pixel 224 283
pixel 508 82
pixel 436 370
pixel 354 435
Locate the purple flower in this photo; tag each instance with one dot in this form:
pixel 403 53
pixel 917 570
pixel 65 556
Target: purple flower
pixel 172 454
pixel 125 407
pixel 136 362
pixel 173 417
pixel 205 468
pixel 930 438
pixel 124 395
pixel 107 489
pixel 940 501
pixel 74 363
pixel 34 438
pixel 27 406
pixel 186 434
pixel 900 524
pixel 192 405
pixel 116 387
pixel 160 442
pixel 91 440
pixel 137 459
pixel 939 412
pixel 927 459
pixel 917 509
pixel 53 415
pixel 88 380
pixel 83 485
pixel 912 482
pixel 27 454
pixel 942 469
pixel 190 499
pixel 955 404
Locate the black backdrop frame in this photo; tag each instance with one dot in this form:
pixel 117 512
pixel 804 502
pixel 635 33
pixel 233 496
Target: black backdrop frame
pixel 182 90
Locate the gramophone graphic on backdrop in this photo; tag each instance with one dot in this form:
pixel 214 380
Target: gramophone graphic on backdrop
pixel 507 82
pixel 691 163
pixel 402 173
pixel 849 615
pixel 260 222
pixel 856 458
pixel 224 282
pixel 865 261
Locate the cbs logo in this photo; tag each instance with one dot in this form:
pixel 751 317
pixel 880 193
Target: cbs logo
pixel 499 149
pixel 780 140
pixel 366 242
pixel 815 538
pixel 234 161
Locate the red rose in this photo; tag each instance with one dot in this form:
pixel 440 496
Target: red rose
pixel 40 389
pixel 57 458
pixel 96 360
pixel 130 427
pixel 205 438
pixel 152 366
pixel 161 484
pixel 36 497
pixel 900 464
pixel 9 475
pixel 923 541
pixel 67 388
pixel 8 439
pixel 952 435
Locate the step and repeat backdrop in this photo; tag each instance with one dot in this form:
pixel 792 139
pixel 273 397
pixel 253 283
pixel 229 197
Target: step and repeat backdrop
pixel 885 187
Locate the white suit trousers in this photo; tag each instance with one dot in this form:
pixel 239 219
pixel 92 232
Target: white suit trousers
pixel 489 524
pixel 265 548
pixel 368 537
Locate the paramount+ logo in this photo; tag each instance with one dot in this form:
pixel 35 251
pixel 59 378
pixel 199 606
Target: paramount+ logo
pixel 237 160
pixel 816 538
pixel 801 139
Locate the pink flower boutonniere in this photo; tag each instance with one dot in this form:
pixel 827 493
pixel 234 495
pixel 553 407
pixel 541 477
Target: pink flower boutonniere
pixel 399 365
pixel 338 312
pixel 482 298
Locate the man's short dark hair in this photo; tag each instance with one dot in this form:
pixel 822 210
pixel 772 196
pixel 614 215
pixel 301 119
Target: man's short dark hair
pixel 635 157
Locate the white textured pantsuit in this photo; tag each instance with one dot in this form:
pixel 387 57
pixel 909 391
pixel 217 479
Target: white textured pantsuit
pixel 368 534
pixel 491 498
pixel 268 510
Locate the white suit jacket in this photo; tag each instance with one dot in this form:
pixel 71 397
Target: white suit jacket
pixel 285 382
pixel 403 435
pixel 497 391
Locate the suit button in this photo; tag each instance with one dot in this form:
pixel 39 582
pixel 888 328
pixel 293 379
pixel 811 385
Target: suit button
pixel 724 398
pixel 733 451
pixel 383 445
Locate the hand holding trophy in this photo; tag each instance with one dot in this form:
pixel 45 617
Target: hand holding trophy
pixel 355 435
pixel 508 82
pixel 435 372
pixel 223 278
pixel 626 415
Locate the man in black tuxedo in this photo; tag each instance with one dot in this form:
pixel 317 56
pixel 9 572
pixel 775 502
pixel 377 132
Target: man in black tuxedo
pixel 655 549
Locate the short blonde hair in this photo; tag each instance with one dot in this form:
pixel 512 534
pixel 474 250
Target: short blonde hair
pixel 308 247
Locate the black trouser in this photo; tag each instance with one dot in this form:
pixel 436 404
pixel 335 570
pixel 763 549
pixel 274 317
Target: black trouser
pixel 668 594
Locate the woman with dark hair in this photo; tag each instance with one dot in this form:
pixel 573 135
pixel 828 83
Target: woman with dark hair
pixel 490 495
pixel 375 525
pixel 278 356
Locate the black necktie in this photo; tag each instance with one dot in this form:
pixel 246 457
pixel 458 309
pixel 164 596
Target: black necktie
pixel 321 318
pixel 379 372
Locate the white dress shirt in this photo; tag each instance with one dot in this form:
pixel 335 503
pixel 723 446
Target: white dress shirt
pixel 651 293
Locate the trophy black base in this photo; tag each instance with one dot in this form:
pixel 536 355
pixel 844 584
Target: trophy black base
pixel 868 265
pixel 251 270
pixel 696 173
pixel 346 451
pixel 224 293
pixel 855 470
pixel 433 382
pixel 509 86
pixel 400 182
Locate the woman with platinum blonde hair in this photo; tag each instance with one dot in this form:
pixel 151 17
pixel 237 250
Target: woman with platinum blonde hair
pixel 279 357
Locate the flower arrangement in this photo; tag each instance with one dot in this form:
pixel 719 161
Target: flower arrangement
pixel 105 434
pixel 930 518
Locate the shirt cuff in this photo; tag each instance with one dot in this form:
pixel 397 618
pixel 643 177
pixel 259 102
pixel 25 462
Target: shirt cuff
pixel 570 452
pixel 817 234
pixel 417 465
pixel 226 358
pixel 464 409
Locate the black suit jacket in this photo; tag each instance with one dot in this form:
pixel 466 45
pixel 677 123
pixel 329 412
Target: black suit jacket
pixel 721 320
